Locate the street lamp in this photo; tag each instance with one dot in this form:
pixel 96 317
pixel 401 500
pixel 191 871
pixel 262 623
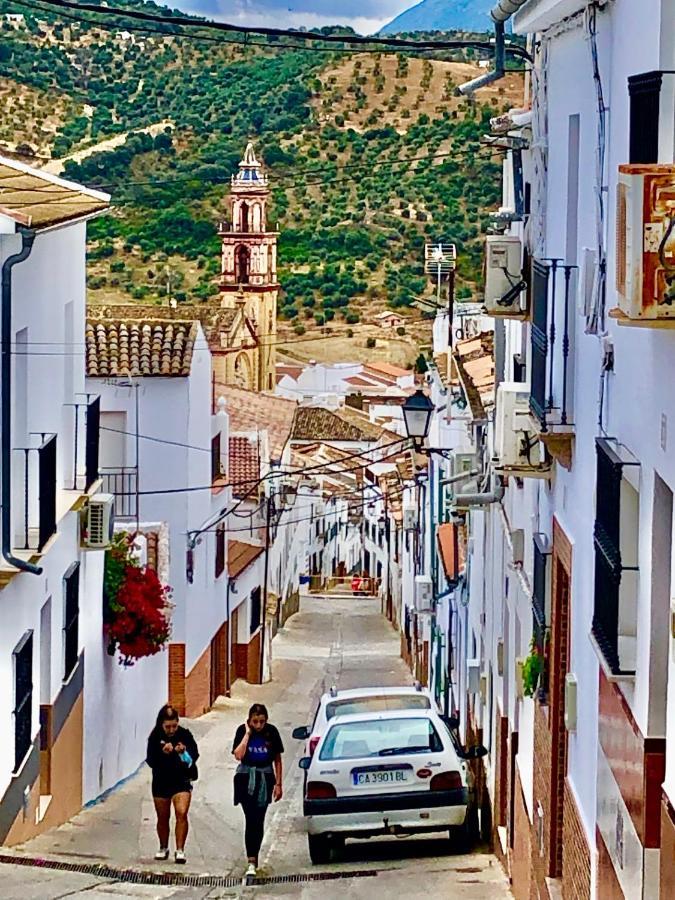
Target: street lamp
pixel 417 411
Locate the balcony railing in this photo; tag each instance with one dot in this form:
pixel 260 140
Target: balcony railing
pixel 36 473
pixel 123 483
pixel 85 447
pixel 549 374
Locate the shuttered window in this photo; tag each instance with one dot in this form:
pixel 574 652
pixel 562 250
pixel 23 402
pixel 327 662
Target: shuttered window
pixel 23 698
pixel 71 599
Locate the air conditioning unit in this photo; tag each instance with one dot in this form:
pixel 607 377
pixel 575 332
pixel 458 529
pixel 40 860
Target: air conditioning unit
pixel 645 240
pixel 410 520
pixel 504 283
pixel 516 442
pixel 570 702
pixel 461 463
pixel 423 593
pixel 473 674
pixel 99 522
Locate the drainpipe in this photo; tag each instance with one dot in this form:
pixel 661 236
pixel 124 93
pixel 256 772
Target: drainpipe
pixel 501 13
pixel 493 496
pixel 27 238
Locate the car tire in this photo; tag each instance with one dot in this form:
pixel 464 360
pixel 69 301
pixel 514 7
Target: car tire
pixel 463 837
pixel 319 848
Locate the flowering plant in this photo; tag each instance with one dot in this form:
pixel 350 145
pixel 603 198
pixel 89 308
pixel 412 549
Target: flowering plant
pixel 532 669
pixel 136 605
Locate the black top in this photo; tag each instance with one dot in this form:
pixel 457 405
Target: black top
pixel 169 766
pixel 263 746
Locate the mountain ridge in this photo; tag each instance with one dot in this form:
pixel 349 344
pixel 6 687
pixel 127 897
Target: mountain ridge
pixel 440 15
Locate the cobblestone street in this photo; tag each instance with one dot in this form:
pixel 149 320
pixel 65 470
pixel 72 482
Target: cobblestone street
pixel 332 640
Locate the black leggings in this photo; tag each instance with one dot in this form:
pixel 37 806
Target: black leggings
pixel 255 826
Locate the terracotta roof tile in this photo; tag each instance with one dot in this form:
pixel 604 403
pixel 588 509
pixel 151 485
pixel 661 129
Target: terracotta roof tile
pixel 258 411
pixel 240 555
pixel 39 200
pixel 388 369
pixel 116 348
pixel 244 464
pixel 315 423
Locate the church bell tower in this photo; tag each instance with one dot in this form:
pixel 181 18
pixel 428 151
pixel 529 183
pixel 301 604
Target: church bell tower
pixel 249 260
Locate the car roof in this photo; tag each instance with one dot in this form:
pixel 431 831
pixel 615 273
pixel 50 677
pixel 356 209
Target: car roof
pixel 387 714
pixel 352 693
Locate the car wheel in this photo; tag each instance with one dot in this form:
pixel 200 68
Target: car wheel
pixel 463 837
pixel 319 848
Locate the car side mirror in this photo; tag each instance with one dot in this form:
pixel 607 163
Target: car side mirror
pixel 301 733
pixel 305 762
pixel 451 721
pixel 477 752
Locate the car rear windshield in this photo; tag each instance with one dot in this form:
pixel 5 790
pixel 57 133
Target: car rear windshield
pixel 381 703
pixel 380 738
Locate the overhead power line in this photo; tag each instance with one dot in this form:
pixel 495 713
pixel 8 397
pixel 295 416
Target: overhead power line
pixel 193 24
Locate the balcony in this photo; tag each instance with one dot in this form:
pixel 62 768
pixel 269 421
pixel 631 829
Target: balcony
pixel 35 484
pixel 552 312
pixel 122 482
pixel 84 470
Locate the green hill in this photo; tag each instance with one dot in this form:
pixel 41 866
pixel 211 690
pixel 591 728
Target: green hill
pixel 330 126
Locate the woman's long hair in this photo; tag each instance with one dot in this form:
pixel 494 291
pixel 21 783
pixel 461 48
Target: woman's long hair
pixel 258 709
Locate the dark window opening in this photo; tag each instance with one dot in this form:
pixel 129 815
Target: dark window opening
pixel 243 217
pixel 215 458
pixel 242 264
pixel 645 103
pixel 220 549
pixel 71 596
pixel 255 610
pixel 519 368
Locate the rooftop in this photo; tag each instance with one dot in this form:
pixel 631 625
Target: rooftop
pixel 474 363
pixel 316 423
pixel 213 319
pixel 116 348
pixel 38 200
pixel 384 368
pixel 240 555
pixel 244 464
pixel 257 411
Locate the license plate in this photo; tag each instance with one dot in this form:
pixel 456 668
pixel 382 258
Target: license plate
pixel 391 776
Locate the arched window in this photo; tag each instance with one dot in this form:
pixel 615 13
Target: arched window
pixel 243 217
pixel 242 266
pixel 242 371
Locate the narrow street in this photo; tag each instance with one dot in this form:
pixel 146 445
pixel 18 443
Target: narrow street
pixel 336 639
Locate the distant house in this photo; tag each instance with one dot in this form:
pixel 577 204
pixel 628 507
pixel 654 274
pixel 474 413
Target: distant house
pixel 389 319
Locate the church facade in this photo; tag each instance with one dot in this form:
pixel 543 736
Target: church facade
pixel 249 273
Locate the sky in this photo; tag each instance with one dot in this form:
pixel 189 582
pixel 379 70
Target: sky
pixel 364 16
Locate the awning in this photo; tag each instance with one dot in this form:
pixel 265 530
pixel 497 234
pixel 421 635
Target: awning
pixel 448 549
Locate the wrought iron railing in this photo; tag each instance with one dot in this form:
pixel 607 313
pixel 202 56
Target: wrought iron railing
pixel 37 519
pixel 545 395
pixel 123 483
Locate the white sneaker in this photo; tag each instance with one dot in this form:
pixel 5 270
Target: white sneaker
pixel 162 854
pixel 180 857
pixel 251 871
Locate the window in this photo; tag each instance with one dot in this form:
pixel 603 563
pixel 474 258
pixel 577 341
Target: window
pixel 71 602
pixel 519 369
pixel 23 698
pixel 255 610
pixel 540 273
pixel 616 544
pixel 220 549
pixel 381 738
pixel 541 605
pixel 215 458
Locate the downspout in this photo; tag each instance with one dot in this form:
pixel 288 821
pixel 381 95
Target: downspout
pixel 27 238
pixel 501 13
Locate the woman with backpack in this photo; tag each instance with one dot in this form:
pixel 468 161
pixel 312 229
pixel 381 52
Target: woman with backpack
pixel 172 756
pixel 258 779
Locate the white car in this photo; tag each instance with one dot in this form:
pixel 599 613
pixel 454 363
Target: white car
pixel 361 700
pixel 398 772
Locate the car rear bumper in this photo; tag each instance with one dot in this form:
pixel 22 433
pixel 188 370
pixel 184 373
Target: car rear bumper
pixel 387 813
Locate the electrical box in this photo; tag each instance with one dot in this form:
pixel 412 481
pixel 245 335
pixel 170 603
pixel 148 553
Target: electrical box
pixel 503 273
pixel 483 687
pixel 410 521
pixel 99 522
pixel 423 593
pixel 500 657
pixel 473 675
pixel 645 241
pixel 518 544
pixel 517 447
pixel 570 702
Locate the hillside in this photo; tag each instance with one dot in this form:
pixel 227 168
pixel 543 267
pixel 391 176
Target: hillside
pixel 369 155
pixel 443 15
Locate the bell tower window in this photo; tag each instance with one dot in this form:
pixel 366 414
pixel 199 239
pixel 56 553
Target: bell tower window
pixel 243 217
pixel 243 264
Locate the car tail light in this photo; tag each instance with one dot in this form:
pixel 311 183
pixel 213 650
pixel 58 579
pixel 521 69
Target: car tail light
pixel 320 790
pixel 446 781
pixel 313 741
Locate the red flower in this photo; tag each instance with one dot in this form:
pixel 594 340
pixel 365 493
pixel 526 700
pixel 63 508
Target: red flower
pixel 140 624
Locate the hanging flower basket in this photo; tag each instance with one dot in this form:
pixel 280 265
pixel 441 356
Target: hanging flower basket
pixel 532 669
pixel 136 605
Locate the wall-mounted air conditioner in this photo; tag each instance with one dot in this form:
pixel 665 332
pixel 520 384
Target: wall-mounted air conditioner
pixel 410 519
pixel 570 702
pixel 423 593
pixel 473 675
pixel 645 241
pixel 504 283
pixel 99 521
pixel 516 441
pixel 461 463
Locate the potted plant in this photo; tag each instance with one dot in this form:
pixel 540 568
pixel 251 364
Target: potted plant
pixel 136 605
pixel 533 666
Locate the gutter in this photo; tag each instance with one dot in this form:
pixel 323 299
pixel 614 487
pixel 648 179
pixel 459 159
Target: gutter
pixel 501 13
pixel 27 239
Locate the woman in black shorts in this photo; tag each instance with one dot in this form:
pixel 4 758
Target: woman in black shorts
pixel 172 754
